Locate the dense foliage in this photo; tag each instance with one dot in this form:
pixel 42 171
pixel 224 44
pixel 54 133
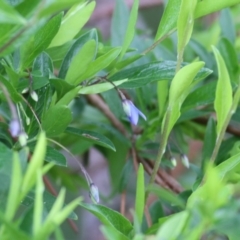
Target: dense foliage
pixel 139 100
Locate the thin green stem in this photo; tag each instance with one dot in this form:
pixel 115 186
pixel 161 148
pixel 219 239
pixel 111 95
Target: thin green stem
pixel 161 151
pixel 157 42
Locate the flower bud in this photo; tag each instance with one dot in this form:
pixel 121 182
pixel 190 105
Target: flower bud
pixel 185 160
pixel 94 195
pixel 34 96
pixel 173 161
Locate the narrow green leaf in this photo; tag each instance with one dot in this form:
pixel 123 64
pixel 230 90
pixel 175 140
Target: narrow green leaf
pixel 131 28
pixel 34 165
pixel 91 136
pixel 223 99
pixel 91 35
pixel 9 15
pixel 162 93
pixel 208 6
pixel 227 25
pixel 179 89
pixel 101 87
pixel 167 196
pixel 41 40
pixel 13 196
pixel 182 81
pixel 111 233
pixel 81 62
pixel 38 203
pixel 61 86
pixel 209 141
pixel 140 195
pixel 100 63
pixel 72 22
pixel 185 23
pixel 228 165
pixel 169 18
pixel 15 96
pixel 68 97
pixel 56 119
pixel 119 23
pixel 229 54
pixel 109 217
pixel 176 222
pixel 151 72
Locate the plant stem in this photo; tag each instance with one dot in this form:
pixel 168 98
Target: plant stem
pixel 162 147
pixel 157 42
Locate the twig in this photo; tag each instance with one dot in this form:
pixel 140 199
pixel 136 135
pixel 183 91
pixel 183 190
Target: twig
pixel 123 203
pixel 97 101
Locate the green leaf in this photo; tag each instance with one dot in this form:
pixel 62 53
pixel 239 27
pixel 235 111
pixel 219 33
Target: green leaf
pixel 207 6
pixel 209 141
pixel 182 81
pixel 179 89
pixel 111 233
pixel 34 165
pixel 91 136
pixel 227 25
pixel 13 200
pixel 228 165
pixel 125 175
pixel 41 40
pixel 169 18
pixel 201 96
pixel 167 196
pixel 56 119
pixel 15 96
pixel 174 226
pixel 48 199
pixel 54 6
pixel 61 86
pixel 151 72
pixel 119 23
pixel 185 23
pixel 43 65
pixel 230 57
pixel 162 93
pixel 100 63
pixel 140 195
pixel 223 100
pixel 130 28
pixel 101 87
pixel 81 62
pixel 52 155
pixel 109 217
pixel 9 15
pixel 202 53
pixel 68 97
pixel 72 22
pixel 92 34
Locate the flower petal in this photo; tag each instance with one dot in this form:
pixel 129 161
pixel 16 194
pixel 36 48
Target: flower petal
pixel 142 115
pixel 134 114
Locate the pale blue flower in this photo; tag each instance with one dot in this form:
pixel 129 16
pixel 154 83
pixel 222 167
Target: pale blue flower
pixel 132 112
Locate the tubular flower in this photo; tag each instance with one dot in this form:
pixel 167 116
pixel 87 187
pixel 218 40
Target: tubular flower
pixel 132 112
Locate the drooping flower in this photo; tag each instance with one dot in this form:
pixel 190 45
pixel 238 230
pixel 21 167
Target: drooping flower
pixel 132 112
pixel 15 127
